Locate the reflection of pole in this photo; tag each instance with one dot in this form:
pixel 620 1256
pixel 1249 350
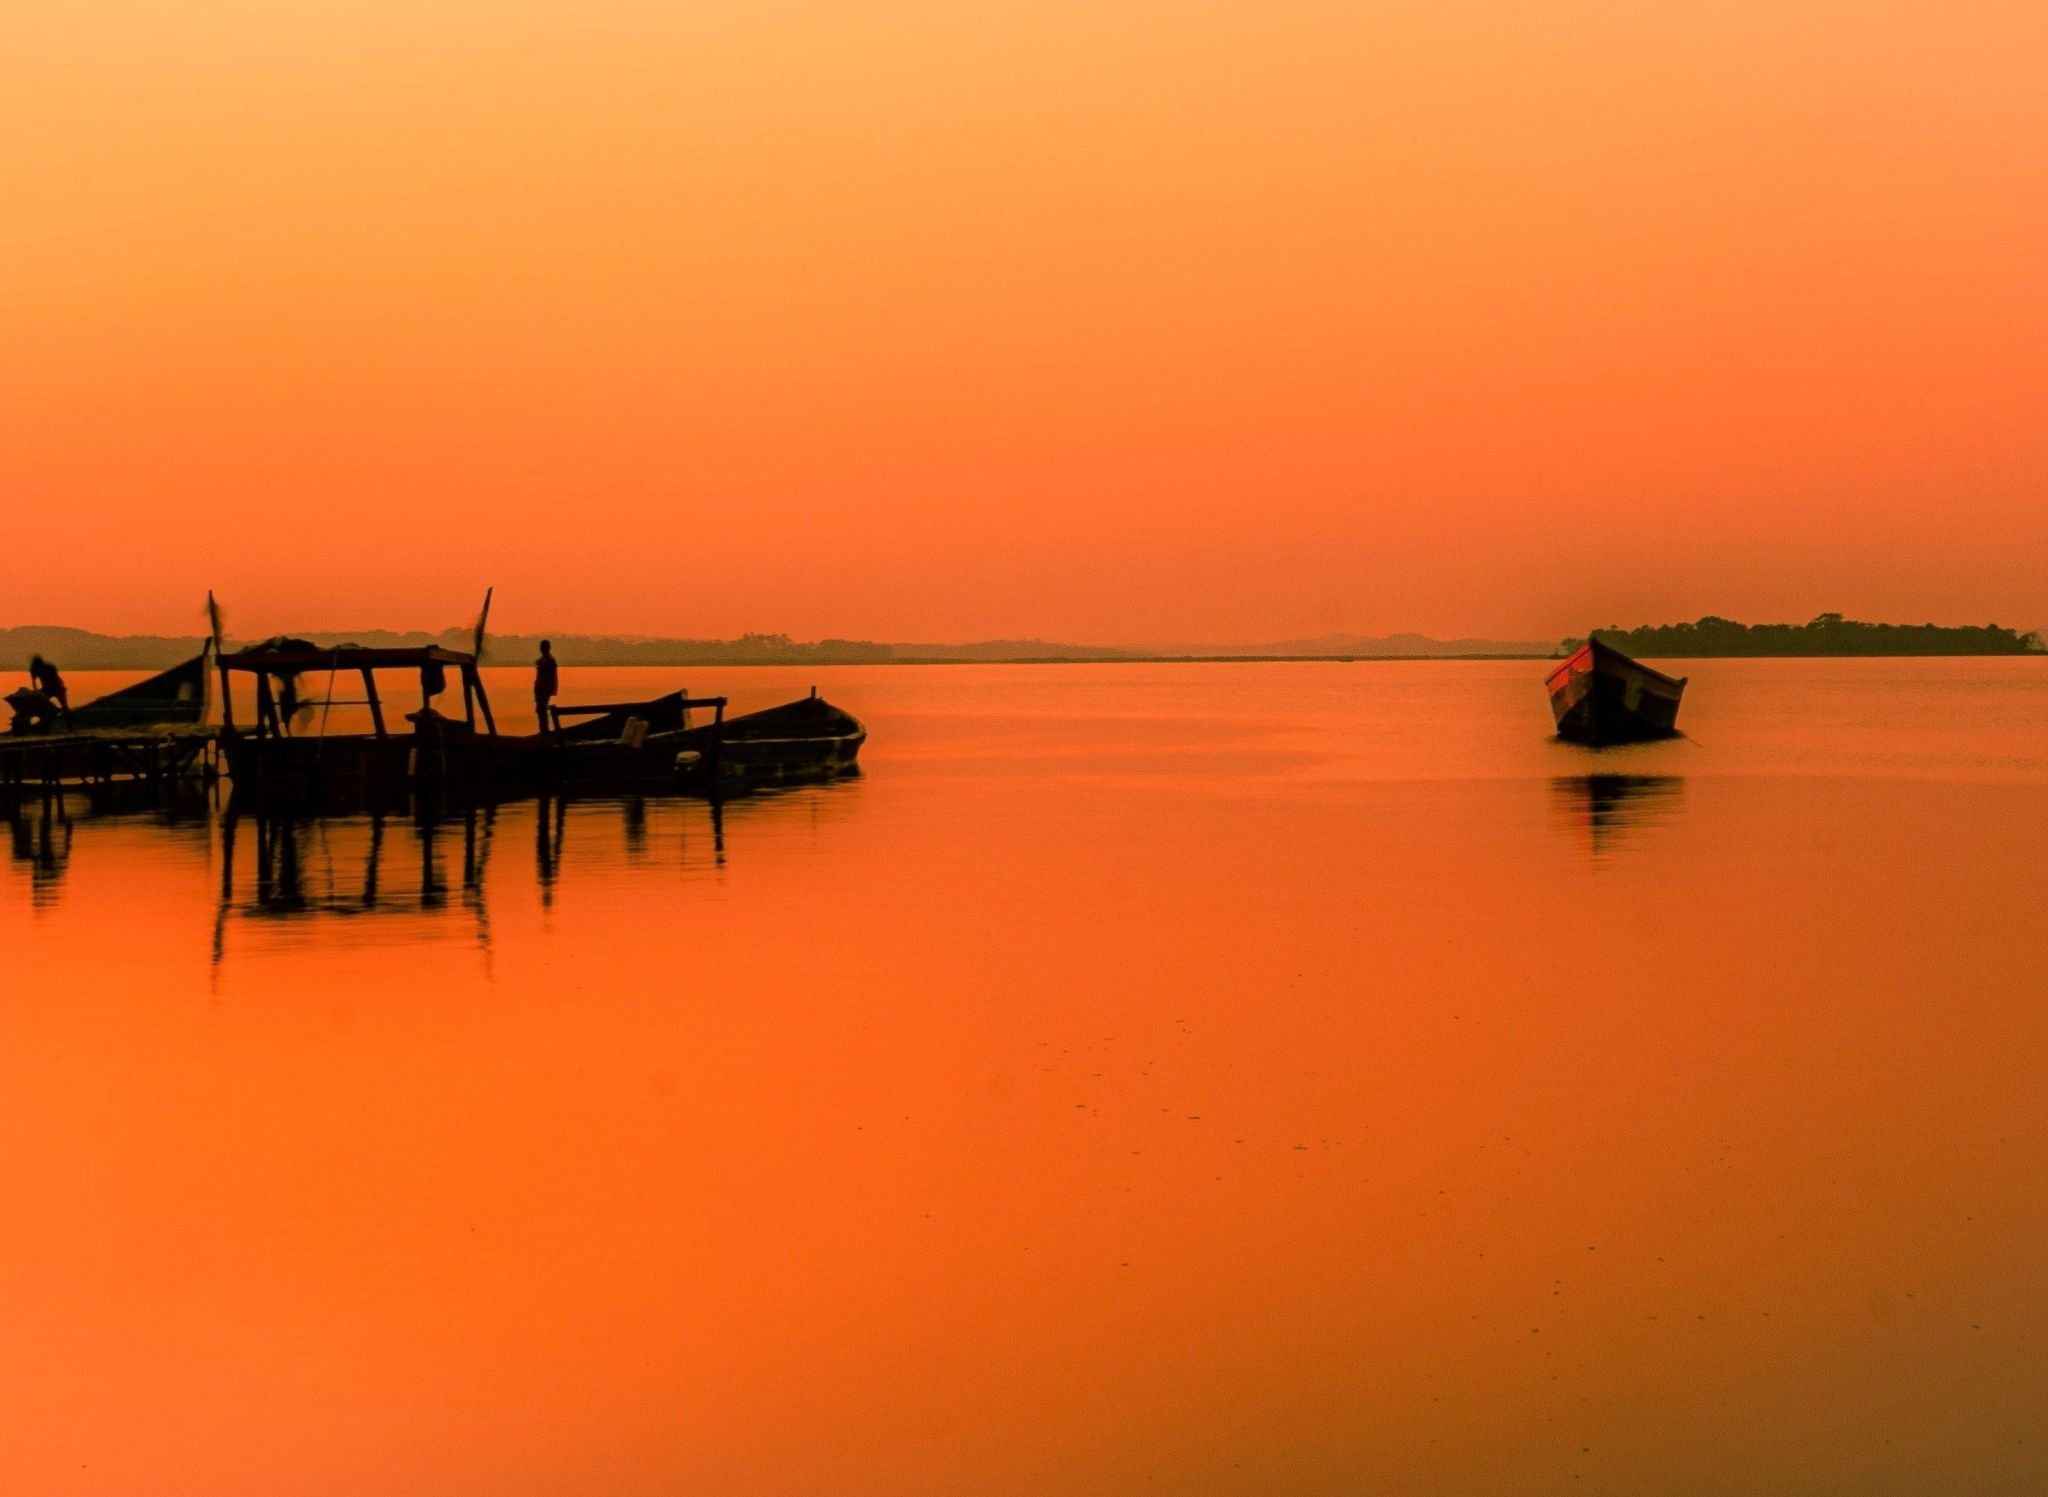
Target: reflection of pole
pixel 476 854
pixel 372 868
pixel 433 892
pixel 288 883
pixel 543 854
pixel 487 828
pixel 266 872
pixel 228 827
pixel 718 831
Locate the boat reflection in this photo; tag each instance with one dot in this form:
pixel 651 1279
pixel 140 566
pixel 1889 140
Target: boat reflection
pixel 44 832
pixel 39 842
pixel 1614 810
pixel 315 867
pixel 699 833
pixel 283 869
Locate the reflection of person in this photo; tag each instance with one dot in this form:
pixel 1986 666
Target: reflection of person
pixel 544 682
pixel 43 675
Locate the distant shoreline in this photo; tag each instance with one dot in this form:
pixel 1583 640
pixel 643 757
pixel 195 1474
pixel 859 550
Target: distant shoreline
pixel 1098 660
pixel 1830 636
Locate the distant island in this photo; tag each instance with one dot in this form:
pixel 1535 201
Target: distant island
pixel 1829 634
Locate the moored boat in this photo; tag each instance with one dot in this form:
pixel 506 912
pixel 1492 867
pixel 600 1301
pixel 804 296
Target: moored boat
pixel 278 758
pixel 176 697
pixel 805 740
pixel 617 745
pixel 1601 696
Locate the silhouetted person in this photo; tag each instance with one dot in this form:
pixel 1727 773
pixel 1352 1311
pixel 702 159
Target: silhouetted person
pixel 44 676
pixel 544 683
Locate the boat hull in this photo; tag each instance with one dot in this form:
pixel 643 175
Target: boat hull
pixel 350 772
pixel 1600 696
pixel 748 763
pixel 173 697
pixel 798 742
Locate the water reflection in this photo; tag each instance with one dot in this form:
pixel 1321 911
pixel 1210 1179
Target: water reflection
pixel 1614 810
pixel 284 869
pixel 39 841
pixel 43 832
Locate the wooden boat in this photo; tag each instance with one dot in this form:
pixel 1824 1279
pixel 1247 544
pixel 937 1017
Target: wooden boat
pixel 173 697
pixel 441 757
pixel 617 745
pixel 150 736
pixel 623 744
pixel 1601 696
pixel 808 739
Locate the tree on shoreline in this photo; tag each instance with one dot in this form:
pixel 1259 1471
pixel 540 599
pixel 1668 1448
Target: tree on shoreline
pixel 1828 634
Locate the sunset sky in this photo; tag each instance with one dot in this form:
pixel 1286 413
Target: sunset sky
pixel 1104 321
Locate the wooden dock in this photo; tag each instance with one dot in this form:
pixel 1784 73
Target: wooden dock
pixel 37 766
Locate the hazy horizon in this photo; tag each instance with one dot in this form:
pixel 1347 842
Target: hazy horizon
pixel 501 627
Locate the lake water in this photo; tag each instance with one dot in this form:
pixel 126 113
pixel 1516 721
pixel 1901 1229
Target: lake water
pixel 1177 1078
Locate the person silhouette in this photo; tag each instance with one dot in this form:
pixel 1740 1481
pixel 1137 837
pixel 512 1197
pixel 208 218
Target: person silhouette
pixel 544 683
pixel 44 676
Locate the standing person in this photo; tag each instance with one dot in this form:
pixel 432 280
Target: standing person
pixel 544 681
pixel 44 676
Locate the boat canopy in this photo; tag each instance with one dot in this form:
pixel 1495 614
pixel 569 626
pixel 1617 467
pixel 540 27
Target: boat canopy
pixel 287 659
pixel 297 655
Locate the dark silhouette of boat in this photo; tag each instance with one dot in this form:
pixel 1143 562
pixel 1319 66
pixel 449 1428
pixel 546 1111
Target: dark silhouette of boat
pixel 152 734
pixel 656 742
pixel 271 759
pixel 434 758
pixel 1601 696
pixel 808 739
pixel 175 698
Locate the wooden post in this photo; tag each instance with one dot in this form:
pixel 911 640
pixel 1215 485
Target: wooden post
pixel 376 706
pixel 483 701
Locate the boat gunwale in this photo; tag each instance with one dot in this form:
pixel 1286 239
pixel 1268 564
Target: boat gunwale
pixel 1597 649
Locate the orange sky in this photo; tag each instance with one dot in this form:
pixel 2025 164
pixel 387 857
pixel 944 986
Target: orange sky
pixel 1090 320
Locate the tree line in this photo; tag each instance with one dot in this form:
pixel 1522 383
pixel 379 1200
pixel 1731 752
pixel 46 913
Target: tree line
pixel 1829 634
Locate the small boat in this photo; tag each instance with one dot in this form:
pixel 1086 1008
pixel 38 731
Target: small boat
pixel 622 744
pixel 176 697
pixel 1601 696
pixel 616 745
pixel 808 739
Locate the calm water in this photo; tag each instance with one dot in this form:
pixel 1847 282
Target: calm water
pixel 1176 1078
